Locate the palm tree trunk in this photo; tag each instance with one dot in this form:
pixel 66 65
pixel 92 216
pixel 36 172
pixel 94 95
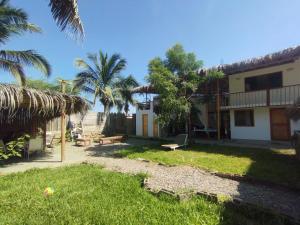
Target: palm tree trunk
pixel 104 118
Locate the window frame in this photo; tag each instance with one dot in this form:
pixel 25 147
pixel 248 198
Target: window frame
pixel 252 119
pixel 280 73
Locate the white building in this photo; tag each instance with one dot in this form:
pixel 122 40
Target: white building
pixel 255 96
pixel 146 124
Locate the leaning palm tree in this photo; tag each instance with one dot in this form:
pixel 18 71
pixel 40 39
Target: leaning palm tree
pixel 101 79
pixel 14 21
pixel 126 85
pixel 66 15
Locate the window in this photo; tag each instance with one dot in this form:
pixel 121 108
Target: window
pixel 263 82
pixel 244 118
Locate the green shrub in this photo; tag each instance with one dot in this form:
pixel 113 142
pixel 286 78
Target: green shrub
pixel 14 148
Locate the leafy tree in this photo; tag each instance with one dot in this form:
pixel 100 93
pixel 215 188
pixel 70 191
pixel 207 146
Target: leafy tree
pixel 102 79
pixel 14 21
pixel 45 85
pixel 176 80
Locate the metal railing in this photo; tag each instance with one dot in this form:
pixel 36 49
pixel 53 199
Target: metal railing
pixel 272 97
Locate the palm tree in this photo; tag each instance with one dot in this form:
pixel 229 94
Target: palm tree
pixel 14 21
pixel 125 87
pixel 102 79
pixel 66 15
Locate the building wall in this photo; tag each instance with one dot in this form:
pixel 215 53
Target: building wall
pixel 295 125
pixel 139 121
pixel 290 76
pixel 261 129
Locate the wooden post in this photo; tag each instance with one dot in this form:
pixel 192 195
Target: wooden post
pixel 63 125
pixel 218 111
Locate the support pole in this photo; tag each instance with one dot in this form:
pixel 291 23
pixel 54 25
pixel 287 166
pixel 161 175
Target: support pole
pixel 63 124
pixel 218 110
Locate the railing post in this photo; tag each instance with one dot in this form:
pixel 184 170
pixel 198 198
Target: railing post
pixel 268 97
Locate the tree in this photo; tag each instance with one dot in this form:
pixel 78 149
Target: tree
pixel 66 15
pixel 14 21
pixel 126 85
pixel 176 80
pixel 45 85
pixel 102 80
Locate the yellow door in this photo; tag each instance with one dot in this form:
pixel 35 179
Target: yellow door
pixel 155 128
pixel 145 125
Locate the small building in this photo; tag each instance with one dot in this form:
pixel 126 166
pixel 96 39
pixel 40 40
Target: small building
pixel 146 123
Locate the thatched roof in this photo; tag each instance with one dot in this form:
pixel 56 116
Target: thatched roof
pixel 278 58
pixel 144 89
pixel 20 104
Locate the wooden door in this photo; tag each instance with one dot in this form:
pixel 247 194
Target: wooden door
pixel 155 128
pixel 280 125
pixel 145 125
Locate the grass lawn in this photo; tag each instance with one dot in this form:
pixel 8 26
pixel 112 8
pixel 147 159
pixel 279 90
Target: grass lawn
pixel 278 166
pixel 86 194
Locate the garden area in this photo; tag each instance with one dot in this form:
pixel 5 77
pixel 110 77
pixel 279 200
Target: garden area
pixel 276 166
pixel 87 194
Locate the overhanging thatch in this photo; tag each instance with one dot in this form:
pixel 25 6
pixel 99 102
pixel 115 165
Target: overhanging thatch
pixel 278 58
pixel 21 105
pixel 144 89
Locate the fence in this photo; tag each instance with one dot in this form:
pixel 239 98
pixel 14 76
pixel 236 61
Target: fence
pixel 117 123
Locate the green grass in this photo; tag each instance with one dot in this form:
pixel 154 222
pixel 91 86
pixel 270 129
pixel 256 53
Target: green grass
pixel 279 166
pixel 86 194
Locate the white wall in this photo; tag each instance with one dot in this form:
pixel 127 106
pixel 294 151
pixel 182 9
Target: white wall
pixel 139 121
pixel 295 125
pixel 261 129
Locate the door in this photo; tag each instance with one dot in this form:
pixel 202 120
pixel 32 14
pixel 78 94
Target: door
pixel 145 125
pixel 280 125
pixel 155 128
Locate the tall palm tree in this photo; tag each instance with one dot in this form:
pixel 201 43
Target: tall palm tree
pixel 14 21
pixel 102 79
pixel 66 15
pixel 125 87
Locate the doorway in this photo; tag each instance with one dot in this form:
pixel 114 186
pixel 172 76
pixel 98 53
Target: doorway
pixel 145 125
pixel 280 125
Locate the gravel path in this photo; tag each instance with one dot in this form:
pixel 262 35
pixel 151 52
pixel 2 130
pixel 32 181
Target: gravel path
pixel 173 179
pixel 185 178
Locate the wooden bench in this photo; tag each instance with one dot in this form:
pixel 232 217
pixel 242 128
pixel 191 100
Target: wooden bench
pixel 83 141
pixel 113 139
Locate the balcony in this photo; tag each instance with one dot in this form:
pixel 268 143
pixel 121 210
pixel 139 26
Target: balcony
pixel 274 97
pixel 144 105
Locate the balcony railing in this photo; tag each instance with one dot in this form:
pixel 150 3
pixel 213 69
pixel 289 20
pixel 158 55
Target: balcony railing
pixel 273 97
pixel 144 106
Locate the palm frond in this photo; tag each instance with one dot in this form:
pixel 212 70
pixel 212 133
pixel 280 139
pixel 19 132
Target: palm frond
pixel 27 58
pixel 15 69
pixel 66 15
pixel 14 21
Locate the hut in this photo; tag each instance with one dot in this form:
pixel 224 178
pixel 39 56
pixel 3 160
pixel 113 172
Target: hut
pixel 26 111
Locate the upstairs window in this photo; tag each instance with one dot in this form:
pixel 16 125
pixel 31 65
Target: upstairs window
pixel 244 118
pixel 263 82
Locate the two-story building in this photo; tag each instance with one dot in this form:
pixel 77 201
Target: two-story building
pixel 255 94
pixel 260 90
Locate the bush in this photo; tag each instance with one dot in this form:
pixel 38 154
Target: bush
pixel 14 148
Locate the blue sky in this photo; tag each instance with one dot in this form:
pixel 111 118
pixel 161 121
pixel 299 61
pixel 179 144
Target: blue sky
pixel 218 31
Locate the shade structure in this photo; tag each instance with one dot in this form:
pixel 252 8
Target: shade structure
pixel 22 104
